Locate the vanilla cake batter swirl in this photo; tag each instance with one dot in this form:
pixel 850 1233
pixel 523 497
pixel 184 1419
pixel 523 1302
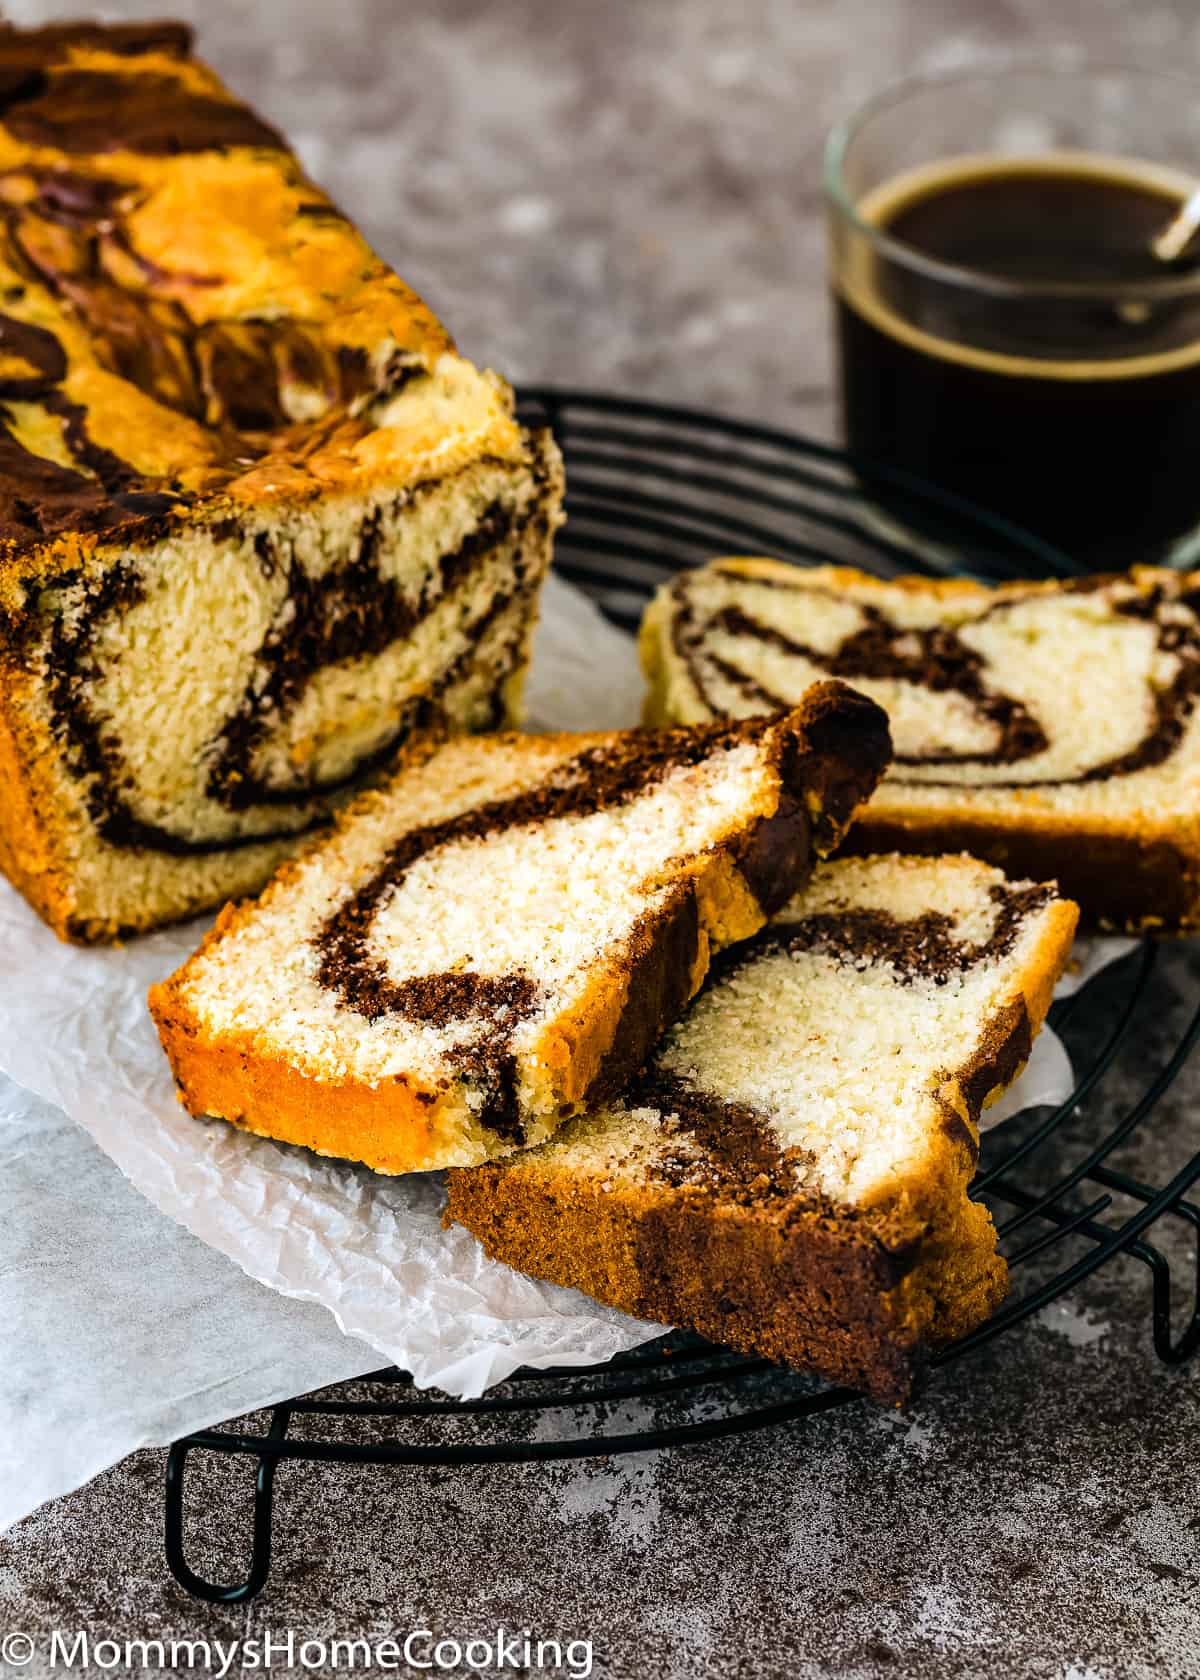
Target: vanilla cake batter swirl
pixel 733 1145
pixel 596 780
pixel 743 656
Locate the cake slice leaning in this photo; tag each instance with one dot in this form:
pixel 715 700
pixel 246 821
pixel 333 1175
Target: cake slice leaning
pixel 791 1175
pixel 1051 728
pixel 502 932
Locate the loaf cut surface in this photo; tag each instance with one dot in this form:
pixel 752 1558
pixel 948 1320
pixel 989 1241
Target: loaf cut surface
pixel 259 521
pixel 1051 728
pixel 503 931
pixel 790 1176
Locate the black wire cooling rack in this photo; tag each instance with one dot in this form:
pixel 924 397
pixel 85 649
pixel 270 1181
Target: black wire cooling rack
pixel 653 489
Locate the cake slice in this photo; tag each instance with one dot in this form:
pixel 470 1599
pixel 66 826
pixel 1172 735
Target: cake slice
pixel 1051 728
pixel 259 521
pixel 502 932
pixel 790 1177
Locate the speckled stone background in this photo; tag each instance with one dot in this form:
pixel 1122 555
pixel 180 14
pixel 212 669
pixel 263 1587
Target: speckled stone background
pixel 625 195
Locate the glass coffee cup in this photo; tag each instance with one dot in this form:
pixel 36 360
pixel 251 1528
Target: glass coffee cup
pixel 1005 327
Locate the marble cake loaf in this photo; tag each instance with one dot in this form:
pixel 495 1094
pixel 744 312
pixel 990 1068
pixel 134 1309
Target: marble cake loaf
pixel 503 931
pixel 790 1176
pixel 258 520
pixel 1051 728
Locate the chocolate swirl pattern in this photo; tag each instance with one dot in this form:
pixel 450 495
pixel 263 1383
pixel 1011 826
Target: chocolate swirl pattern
pixel 258 520
pixel 972 690
pixel 741 1145
pixel 493 1006
pixel 67 250
pixel 347 617
pixel 728 1147
pixel 661 945
pixel 92 288
pixel 1052 729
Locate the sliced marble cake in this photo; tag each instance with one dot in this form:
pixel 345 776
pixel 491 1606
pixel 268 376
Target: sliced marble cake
pixel 1050 728
pixel 790 1176
pixel 503 931
pixel 259 521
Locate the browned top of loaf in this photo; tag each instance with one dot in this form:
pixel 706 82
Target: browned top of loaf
pixel 185 316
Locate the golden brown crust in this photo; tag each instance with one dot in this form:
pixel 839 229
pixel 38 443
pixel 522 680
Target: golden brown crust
pixel 33 839
pixel 189 326
pixel 950 588
pixel 813 1291
pixel 393 1127
pixel 26 853
pixel 397 1126
pixel 857 1296
pixel 804 1293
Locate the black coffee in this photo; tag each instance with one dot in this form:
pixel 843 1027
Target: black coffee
pixel 1077 416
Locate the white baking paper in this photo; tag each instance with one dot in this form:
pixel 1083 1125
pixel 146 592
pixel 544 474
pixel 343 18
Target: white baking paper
pixel 74 1030
pixel 121 1329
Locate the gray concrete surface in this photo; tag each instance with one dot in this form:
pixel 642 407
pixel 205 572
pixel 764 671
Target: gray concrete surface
pixel 626 195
